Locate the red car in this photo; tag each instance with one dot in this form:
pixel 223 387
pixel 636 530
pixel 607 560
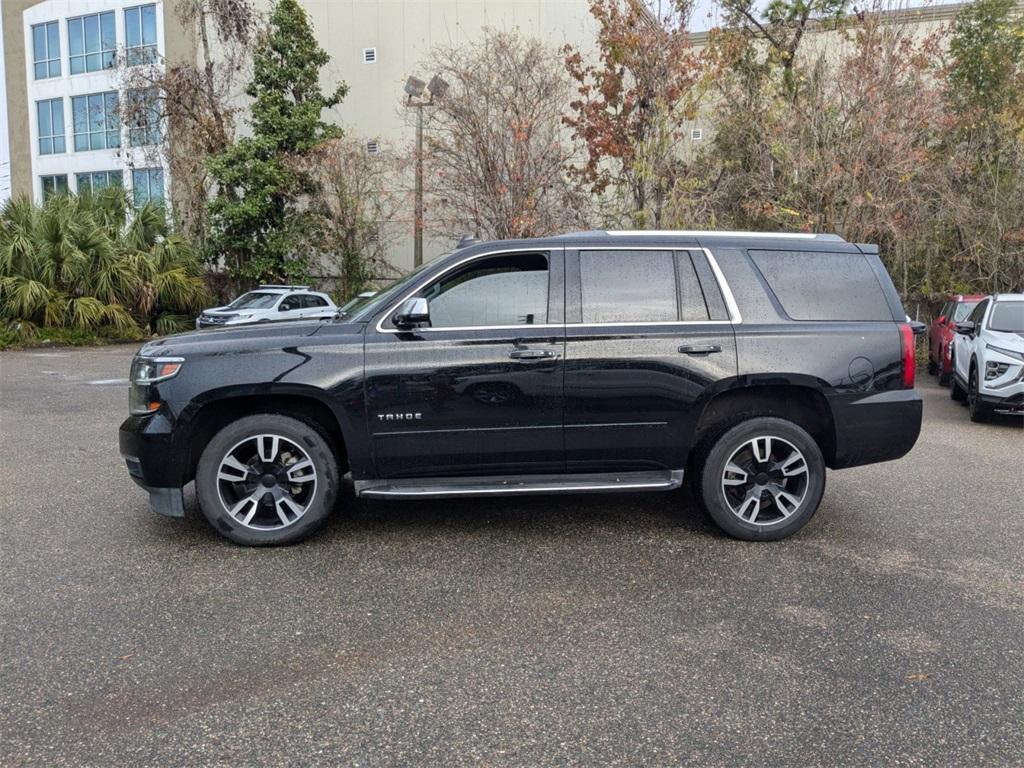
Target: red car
pixel 940 335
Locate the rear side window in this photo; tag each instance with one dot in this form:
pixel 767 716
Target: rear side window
pixel 628 286
pixel 824 286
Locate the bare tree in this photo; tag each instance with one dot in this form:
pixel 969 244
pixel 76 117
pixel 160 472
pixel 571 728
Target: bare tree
pixel 358 202
pixel 496 152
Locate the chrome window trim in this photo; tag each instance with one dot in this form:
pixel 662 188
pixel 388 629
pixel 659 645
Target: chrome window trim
pixel 730 302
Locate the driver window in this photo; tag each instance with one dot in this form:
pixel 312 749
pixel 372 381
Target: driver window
pixel 979 312
pixel 499 290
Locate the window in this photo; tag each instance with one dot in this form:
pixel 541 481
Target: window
pixel 92 42
pixel 95 121
pixel 147 186
pixel 696 134
pixel 97 180
pixel 1007 317
pixel 628 286
pixel 46 50
pixel 494 291
pixel 824 286
pixel 54 185
pixel 372 147
pixel 50 120
pixel 143 118
pixel 313 302
pixel 962 310
pixel 140 34
pixel 692 307
pixel 369 55
pixel 979 312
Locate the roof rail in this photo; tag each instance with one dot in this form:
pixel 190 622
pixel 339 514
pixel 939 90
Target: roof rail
pixel 286 287
pixel 717 233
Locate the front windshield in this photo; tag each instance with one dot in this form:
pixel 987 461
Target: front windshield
pixel 389 294
pixel 963 309
pixel 255 300
pixel 1007 317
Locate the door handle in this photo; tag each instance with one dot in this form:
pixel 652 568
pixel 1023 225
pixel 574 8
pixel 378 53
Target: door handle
pixel 700 349
pixel 530 354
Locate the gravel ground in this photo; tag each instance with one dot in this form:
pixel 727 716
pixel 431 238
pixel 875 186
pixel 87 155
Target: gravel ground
pixel 617 630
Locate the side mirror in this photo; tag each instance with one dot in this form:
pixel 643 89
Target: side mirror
pixel 941 320
pixel 966 328
pixel 412 313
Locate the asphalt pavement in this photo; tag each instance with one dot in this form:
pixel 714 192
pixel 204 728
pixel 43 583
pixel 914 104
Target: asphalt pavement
pixel 585 630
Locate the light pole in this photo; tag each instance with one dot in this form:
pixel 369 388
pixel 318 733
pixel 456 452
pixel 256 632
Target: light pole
pixel 415 90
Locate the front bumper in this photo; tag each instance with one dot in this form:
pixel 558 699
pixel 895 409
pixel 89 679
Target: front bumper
pixel 155 462
pixel 1013 405
pixel 873 428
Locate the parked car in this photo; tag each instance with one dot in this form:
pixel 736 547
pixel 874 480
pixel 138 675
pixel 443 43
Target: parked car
pixel 270 303
pixel 591 362
pixel 940 335
pixel 988 357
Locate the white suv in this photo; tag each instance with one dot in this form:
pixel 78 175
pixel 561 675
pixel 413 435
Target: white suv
pixel 988 357
pixel 270 303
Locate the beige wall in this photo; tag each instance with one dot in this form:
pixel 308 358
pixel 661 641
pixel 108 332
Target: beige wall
pixel 17 100
pixel 403 33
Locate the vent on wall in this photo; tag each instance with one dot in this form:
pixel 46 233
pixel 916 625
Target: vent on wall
pixel 372 147
pixel 369 55
pixel 696 134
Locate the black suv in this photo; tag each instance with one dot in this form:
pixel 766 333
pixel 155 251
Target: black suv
pixel 597 361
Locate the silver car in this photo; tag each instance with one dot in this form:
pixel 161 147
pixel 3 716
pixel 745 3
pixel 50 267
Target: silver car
pixel 270 303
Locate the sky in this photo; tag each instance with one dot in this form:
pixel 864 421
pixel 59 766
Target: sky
pixel 706 13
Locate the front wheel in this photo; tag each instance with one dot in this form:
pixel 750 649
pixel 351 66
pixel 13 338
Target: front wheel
pixel 267 479
pixel 763 479
pixel 978 410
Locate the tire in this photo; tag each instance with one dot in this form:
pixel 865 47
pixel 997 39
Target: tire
pixel 956 392
pixel 774 518
pixel 279 501
pixel 933 367
pixel 944 377
pixel 979 411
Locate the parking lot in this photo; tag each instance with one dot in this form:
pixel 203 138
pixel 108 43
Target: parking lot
pixel 584 630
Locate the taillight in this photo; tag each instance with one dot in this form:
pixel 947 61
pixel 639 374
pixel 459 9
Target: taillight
pixel 909 358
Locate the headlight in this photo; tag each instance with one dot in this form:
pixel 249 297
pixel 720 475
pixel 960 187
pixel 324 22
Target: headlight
pixel 147 371
pixel 1008 352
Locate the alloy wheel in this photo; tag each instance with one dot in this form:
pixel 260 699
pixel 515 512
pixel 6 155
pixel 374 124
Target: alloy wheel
pixel 266 482
pixel 765 480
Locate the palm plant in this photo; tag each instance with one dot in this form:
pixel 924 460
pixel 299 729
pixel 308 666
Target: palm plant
pixel 83 262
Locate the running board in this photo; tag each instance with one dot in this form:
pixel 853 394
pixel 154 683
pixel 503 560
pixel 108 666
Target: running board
pixel 502 485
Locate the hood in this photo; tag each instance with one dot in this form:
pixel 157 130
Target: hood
pixel 251 338
pixel 1007 340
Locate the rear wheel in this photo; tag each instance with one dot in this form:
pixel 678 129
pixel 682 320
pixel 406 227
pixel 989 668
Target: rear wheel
pixel 978 410
pixel 933 367
pixel 267 479
pixel 956 392
pixel 763 479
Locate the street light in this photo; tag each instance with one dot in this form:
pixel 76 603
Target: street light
pixel 415 90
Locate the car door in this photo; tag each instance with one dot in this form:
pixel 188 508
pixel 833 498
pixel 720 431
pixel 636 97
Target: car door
pixel 647 333
pixel 479 391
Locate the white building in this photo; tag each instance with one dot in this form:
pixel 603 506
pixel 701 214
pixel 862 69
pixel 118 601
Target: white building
pixel 76 140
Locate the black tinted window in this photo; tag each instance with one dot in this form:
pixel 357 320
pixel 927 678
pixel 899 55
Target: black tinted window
pixel 823 286
pixel 691 298
pixel 628 286
pixel 499 290
pixel 979 312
